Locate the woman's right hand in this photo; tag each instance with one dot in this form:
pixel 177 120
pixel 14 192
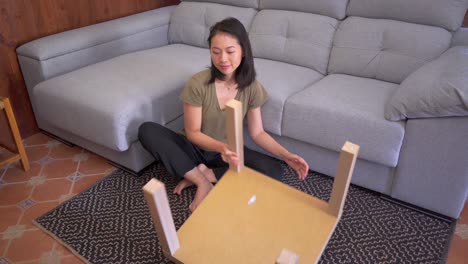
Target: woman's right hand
pixel 229 156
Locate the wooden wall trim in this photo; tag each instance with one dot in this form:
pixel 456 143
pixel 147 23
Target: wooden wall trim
pixel 24 20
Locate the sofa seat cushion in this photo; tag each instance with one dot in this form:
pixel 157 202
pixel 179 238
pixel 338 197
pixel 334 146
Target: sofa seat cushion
pixel 106 102
pixel 281 80
pixel 343 107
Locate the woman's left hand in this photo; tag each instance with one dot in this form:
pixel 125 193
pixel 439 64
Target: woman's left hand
pixel 298 164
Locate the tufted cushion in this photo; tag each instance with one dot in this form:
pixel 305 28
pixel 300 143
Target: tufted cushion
pixel 342 107
pixel 241 3
pixel 191 21
pixel 293 37
pixel 442 13
pixel 331 8
pixel 387 50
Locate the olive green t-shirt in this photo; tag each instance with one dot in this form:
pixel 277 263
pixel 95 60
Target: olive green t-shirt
pixel 198 92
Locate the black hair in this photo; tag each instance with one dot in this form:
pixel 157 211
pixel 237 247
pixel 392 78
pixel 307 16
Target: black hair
pixel 245 74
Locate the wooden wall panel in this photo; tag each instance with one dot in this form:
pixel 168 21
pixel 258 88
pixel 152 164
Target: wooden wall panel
pixel 465 22
pixel 24 20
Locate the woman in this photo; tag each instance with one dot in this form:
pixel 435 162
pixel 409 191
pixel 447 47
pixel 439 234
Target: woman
pixel 200 155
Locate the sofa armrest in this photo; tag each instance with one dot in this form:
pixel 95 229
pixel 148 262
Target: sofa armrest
pixel 438 89
pixel 460 37
pixel 93 35
pixel 60 53
pixel 432 170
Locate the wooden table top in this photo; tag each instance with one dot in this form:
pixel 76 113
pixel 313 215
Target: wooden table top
pixel 226 228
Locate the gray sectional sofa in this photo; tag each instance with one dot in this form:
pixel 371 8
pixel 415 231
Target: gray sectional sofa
pixel 391 76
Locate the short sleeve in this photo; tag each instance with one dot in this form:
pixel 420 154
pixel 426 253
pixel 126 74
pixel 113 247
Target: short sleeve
pixel 192 93
pixel 258 95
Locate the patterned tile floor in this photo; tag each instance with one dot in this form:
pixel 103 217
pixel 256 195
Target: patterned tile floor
pixel 59 172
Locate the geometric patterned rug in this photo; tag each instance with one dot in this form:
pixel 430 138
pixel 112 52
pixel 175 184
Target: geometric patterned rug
pixel 110 223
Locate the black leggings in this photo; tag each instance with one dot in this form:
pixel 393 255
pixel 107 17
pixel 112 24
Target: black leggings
pixel 179 155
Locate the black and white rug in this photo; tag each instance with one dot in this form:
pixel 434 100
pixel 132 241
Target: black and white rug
pixel 110 223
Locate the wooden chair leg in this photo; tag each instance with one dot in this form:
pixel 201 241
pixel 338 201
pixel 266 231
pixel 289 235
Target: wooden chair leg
pixel 5 104
pixel 156 198
pixel 342 179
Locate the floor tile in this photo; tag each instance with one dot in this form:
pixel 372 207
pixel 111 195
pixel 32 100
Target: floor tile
pixel 13 232
pixel 89 153
pixel 464 215
pixel 59 168
pixel 65 198
pixel 95 165
pixel 51 190
pixel 36 242
pixel 36 153
pixel 26 203
pixel 458 251
pixel 85 182
pixel 5 154
pixel 35 211
pixel 9 217
pixel 11 194
pixel 59 247
pixel 37 139
pixel 51 257
pixel 17 174
pixel 36 261
pixel 71 259
pixel 461 231
pixel 2 171
pixel 63 151
pixel 3 246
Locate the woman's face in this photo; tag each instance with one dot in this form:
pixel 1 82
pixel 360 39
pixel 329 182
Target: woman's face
pixel 226 53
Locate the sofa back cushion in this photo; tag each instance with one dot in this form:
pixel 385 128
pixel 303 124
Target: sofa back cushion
pixel 386 50
pixel 241 3
pixel 298 38
pixel 448 14
pixel 332 8
pixel 191 21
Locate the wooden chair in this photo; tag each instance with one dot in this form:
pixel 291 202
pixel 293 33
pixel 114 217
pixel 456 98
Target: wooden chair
pixel 249 217
pixel 20 153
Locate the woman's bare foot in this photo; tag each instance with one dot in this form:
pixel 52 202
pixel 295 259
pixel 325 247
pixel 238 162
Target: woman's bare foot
pixel 204 186
pixel 207 172
pixel 202 192
pixel 184 183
